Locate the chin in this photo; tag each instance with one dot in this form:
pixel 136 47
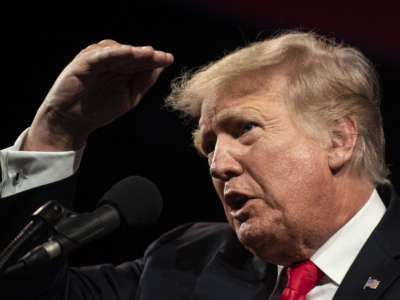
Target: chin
pixel 253 238
pixel 267 246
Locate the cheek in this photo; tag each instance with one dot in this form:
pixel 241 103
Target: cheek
pixel 289 173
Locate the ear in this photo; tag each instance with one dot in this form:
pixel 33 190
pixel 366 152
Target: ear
pixel 343 137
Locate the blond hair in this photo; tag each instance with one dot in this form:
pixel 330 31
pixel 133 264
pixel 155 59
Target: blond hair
pixel 326 81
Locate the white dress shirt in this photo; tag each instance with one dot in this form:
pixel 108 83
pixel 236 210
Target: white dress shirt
pixel 337 254
pixel 23 170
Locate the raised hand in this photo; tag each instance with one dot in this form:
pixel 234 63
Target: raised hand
pixel 102 82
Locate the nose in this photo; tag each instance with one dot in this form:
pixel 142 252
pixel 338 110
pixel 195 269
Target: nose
pixel 224 162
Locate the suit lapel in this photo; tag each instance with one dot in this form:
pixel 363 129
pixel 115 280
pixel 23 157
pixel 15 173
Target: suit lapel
pixel 378 260
pixel 386 276
pixel 381 273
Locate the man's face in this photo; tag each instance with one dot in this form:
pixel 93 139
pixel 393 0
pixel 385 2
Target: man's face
pixel 273 179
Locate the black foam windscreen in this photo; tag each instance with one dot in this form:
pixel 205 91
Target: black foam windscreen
pixel 137 199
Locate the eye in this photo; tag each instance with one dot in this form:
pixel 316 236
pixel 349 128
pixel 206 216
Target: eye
pixel 248 126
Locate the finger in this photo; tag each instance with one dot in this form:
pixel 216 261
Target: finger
pixel 107 43
pixel 144 58
pixel 141 61
pixel 102 44
pixel 127 59
pixel 87 49
pixel 163 57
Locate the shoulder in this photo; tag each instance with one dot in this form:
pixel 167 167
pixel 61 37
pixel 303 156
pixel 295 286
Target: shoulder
pixel 194 234
pixel 190 246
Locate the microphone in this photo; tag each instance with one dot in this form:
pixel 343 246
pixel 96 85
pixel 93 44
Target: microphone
pixel 39 228
pixel 134 201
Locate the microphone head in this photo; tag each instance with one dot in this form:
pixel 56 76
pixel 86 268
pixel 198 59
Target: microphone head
pixel 137 200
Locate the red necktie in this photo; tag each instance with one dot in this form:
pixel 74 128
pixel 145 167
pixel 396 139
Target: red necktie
pixel 302 278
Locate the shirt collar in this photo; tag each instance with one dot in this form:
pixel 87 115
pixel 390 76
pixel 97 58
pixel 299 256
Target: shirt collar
pixel 337 254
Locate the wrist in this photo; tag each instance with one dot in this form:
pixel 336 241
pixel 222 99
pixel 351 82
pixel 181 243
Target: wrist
pixel 51 132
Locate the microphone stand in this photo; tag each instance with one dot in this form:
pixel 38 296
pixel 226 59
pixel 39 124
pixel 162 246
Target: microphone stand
pixel 40 226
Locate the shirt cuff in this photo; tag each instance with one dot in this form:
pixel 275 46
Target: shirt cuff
pixel 23 170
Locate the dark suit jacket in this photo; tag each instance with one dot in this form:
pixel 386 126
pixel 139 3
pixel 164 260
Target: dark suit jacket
pixel 194 261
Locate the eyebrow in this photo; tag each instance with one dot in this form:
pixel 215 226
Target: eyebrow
pixel 241 113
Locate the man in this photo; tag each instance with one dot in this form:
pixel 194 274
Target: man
pixel 293 135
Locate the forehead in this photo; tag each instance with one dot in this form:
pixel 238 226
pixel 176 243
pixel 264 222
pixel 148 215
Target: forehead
pixel 243 95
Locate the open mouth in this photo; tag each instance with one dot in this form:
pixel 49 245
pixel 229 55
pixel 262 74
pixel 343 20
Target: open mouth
pixel 236 201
